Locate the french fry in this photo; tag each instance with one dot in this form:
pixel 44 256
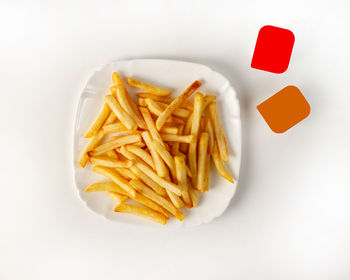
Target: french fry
pixel 176 103
pixel 141 212
pixel 219 133
pixel 116 79
pixel 111 119
pixel 106 186
pixel 139 144
pixel 177 138
pixel 202 154
pixel 150 125
pixel 127 103
pixel 148 181
pixel 219 165
pixel 126 173
pixel 169 130
pixel 117 198
pixel 192 153
pixel 158 162
pixel 142 102
pixel 207 172
pixel 84 157
pixel 150 173
pixel 141 154
pixel 166 156
pixel 104 114
pixel 179 112
pixel 121 140
pixel 110 162
pixel 144 95
pixel 114 128
pixel 208 98
pixel 182 179
pixel 148 88
pixel 112 154
pixel 175 199
pixel 140 198
pixel 176 145
pixel 116 178
pixel 117 109
pixel 157 108
pixel 147 192
pixel 210 130
pixel 194 197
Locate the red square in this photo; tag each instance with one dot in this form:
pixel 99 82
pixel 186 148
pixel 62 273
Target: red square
pixel 273 49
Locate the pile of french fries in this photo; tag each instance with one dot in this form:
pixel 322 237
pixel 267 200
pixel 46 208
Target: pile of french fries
pixel 156 152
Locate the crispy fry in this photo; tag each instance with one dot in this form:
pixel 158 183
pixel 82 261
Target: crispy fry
pixel 158 162
pixel 157 108
pixel 117 109
pixel 207 172
pixel 219 165
pixel 106 186
pixel 119 141
pixel 147 192
pixel 166 156
pixel 175 104
pixel 219 133
pixel 210 130
pixel 182 179
pixel 202 154
pixel 111 119
pixel 150 173
pixel 192 154
pixel 150 125
pixel 141 212
pixel 169 129
pixel 116 178
pixel 187 130
pixel 112 154
pixel 148 181
pixel 194 197
pixel 176 145
pixel 144 95
pixel 114 128
pixel 116 197
pixel 177 138
pixel 104 114
pixel 148 88
pixel 126 173
pixel 127 103
pixel 116 79
pixel 142 102
pixel 142 154
pixel 84 157
pixel 110 162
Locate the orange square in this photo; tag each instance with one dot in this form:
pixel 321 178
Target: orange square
pixel 284 109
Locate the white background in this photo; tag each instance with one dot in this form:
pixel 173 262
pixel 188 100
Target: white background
pixel 290 216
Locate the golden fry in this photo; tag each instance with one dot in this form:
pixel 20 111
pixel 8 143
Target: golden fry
pixel 114 128
pixel 115 177
pixel 177 138
pixel 117 142
pixel 110 162
pixel 176 145
pixel 194 197
pixel 84 157
pixel 158 108
pixel 141 154
pixel 112 154
pixel 148 88
pixel 169 130
pixel 141 212
pixel 117 198
pixel 166 156
pixel 147 192
pixel 202 154
pixel 111 119
pixel 176 103
pixel 126 173
pixel 210 130
pixel 106 186
pixel 219 165
pixel 192 154
pixel 104 114
pixel 158 162
pixel 150 125
pixel 207 172
pixel 127 103
pixel 144 95
pixel 182 179
pixel 117 109
pixel 219 133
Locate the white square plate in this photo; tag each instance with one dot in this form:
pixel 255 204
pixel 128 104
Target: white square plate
pixel 174 76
